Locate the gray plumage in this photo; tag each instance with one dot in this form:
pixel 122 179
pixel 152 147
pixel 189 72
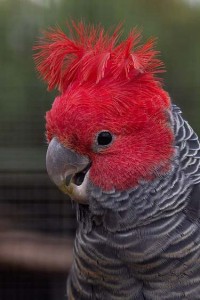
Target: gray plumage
pixel 143 243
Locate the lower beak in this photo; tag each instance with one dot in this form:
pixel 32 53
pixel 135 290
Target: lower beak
pixel 68 170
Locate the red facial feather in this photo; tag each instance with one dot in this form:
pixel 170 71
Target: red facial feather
pixel 112 87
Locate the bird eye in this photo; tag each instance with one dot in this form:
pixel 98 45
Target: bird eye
pixel 104 138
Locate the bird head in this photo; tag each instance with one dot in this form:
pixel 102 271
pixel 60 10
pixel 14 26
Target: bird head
pixel 109 126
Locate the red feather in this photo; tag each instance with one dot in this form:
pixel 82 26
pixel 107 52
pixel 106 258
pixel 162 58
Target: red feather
pixel 91 55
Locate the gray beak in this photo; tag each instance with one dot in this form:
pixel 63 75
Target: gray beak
pixel 68 170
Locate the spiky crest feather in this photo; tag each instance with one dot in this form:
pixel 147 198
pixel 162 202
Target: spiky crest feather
pixel 91 55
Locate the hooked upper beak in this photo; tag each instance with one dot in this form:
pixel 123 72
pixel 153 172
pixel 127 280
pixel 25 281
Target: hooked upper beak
pixel 68 170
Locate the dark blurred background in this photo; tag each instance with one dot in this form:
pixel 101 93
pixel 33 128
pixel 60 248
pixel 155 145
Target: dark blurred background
pixel 37 222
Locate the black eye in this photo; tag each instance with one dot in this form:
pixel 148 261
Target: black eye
pixel 104 138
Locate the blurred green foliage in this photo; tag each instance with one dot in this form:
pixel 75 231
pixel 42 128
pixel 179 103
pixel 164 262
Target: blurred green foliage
pixel 23 98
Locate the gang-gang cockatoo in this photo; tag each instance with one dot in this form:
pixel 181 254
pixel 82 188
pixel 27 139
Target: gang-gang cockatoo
pixel 122 151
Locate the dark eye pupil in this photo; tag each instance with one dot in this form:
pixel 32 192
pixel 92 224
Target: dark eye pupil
pixel 104 138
